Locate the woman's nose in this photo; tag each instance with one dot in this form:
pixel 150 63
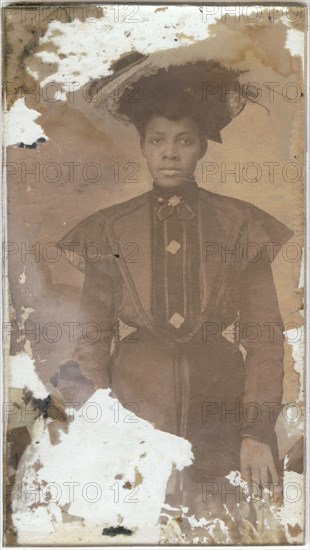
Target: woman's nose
pixel 170 152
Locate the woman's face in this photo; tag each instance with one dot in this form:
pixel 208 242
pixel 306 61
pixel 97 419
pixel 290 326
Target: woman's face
pixel 172 149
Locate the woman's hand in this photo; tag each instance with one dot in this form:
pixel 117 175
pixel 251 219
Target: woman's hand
pixel 257 465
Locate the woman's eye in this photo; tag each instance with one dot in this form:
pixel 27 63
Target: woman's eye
pixel 156 140
pixel 186 141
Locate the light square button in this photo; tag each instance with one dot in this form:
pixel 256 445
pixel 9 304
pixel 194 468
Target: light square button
pixel 176 320
pixel 173 247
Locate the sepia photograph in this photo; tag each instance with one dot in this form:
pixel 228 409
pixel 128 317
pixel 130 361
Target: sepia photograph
pixel 153 273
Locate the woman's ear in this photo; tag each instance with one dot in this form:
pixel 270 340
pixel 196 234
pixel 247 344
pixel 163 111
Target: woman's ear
pixel 203 148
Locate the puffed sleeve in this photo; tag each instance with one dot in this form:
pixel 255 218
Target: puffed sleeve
pixel 261 326
pixel 87 248
pixel 87 242
pixel 262 235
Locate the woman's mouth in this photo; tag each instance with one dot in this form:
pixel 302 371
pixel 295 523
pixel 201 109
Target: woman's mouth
pixel 170 171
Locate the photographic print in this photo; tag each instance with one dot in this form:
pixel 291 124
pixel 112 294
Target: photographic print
pixel 153 234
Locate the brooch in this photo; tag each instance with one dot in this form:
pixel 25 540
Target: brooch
pixel 174 200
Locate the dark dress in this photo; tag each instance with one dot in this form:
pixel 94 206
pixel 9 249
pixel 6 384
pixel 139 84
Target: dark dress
pixel 185 270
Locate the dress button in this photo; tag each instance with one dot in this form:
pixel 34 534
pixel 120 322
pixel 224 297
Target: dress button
pixel 173 247
pixel 176 320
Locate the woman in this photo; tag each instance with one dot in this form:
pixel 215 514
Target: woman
pixel 180 264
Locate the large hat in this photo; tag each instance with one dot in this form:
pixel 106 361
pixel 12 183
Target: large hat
pixel 207 90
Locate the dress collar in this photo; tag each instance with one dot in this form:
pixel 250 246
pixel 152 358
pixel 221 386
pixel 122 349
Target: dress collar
pixel 188 191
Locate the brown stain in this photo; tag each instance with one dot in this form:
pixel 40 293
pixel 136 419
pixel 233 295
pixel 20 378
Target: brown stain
pixel 23 29
pixel 264 42
pixel 36 505
pixel 68 518
pixel 138 477
pixel 297 18
pixel 37 465
pixel 54 431
pixel 18 439
pixel 294 530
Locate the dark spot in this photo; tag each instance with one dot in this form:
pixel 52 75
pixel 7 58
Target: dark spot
pixel 302 94
pixel 27 396
pixel 42 405
pixel 127 485
pixel 175 39
pixel 114 531
pixel 41 140
pixel 21 145
pixel 32 146
pixel 116 255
